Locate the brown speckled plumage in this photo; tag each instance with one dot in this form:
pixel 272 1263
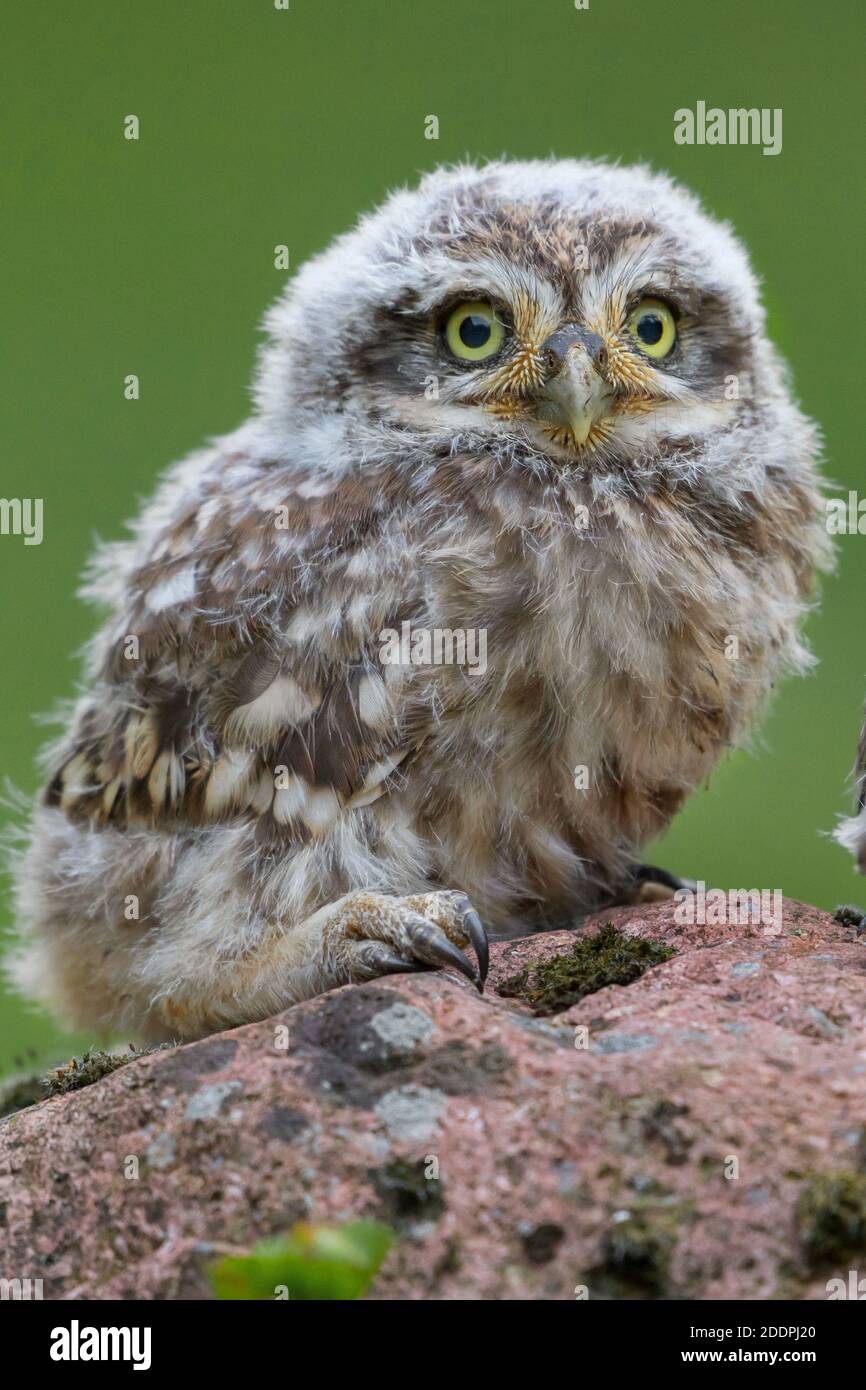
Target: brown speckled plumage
pixel 245 766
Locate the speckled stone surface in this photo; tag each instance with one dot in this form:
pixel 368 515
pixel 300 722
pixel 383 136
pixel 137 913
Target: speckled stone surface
pixel 657 1140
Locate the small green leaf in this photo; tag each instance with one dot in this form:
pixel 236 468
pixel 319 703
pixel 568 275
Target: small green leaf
pixel 311 1262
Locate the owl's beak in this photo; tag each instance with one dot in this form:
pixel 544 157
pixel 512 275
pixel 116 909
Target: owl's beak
pixel 575 393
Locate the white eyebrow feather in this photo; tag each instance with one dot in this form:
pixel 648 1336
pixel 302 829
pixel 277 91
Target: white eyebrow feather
pixel 444 276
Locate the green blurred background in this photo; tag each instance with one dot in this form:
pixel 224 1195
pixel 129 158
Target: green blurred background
pixel 262 126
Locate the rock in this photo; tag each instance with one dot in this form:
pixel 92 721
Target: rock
pixel 699 1132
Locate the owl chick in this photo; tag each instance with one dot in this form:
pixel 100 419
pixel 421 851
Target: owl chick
pixel 529 402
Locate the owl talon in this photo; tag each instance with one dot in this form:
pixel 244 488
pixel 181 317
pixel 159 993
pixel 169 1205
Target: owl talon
pixel 386 962
pixel 434 947
pixel 368 934
pixel 453 914
pixel 478 936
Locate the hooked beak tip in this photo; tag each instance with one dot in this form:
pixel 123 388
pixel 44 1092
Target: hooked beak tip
pixel 576 398
pixel 580 424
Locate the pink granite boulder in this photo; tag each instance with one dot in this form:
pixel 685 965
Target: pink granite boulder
pixel 697 1133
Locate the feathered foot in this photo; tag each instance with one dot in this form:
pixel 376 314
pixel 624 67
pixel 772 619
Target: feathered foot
pixel 372 934
pixel 653 885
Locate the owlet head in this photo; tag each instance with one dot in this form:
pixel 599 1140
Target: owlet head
pixel 576 314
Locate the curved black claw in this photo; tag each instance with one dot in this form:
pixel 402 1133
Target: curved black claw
pixel 387 962
pixel 433 946
pixel 478 936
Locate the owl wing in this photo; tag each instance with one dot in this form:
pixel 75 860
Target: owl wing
pixel 241 677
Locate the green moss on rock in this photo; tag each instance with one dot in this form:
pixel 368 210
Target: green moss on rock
pixel 407 1194
pixel 606 958
pixel 830 1216
pixel 92 1066
pixel 636 1255
pixel 83 1071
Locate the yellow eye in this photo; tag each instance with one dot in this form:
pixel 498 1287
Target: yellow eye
pixel 653 326
pixel 473 332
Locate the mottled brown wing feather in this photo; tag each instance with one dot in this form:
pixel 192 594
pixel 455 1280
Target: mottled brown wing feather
pixel 232 686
